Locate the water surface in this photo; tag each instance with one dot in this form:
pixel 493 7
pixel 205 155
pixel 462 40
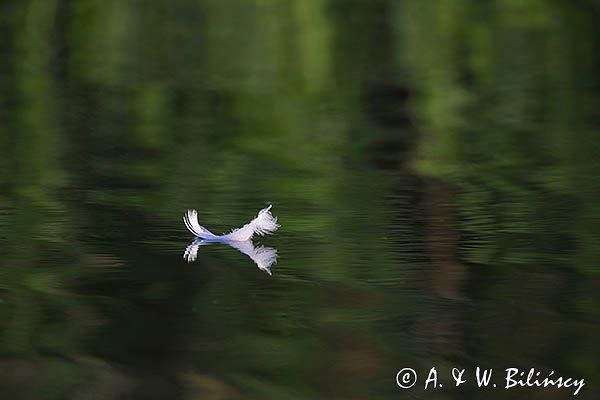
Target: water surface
pixel 434 168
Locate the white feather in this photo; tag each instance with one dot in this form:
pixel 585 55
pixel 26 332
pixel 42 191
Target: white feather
pixel 191 222
pixel 263 224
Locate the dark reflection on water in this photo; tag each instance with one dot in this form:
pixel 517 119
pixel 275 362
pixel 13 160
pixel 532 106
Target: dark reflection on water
pixel 433 166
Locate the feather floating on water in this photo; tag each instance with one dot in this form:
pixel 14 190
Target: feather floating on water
pixel 263 224
pixel 240 238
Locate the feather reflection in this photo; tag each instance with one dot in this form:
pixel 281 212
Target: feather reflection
pixel 263 257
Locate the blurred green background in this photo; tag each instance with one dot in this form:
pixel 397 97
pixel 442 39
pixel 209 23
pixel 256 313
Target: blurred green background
pixel 433 164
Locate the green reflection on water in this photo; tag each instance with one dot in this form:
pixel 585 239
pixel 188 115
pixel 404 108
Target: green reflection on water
pixel 433 167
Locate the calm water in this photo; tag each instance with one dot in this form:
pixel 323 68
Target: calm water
pixel 434 167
